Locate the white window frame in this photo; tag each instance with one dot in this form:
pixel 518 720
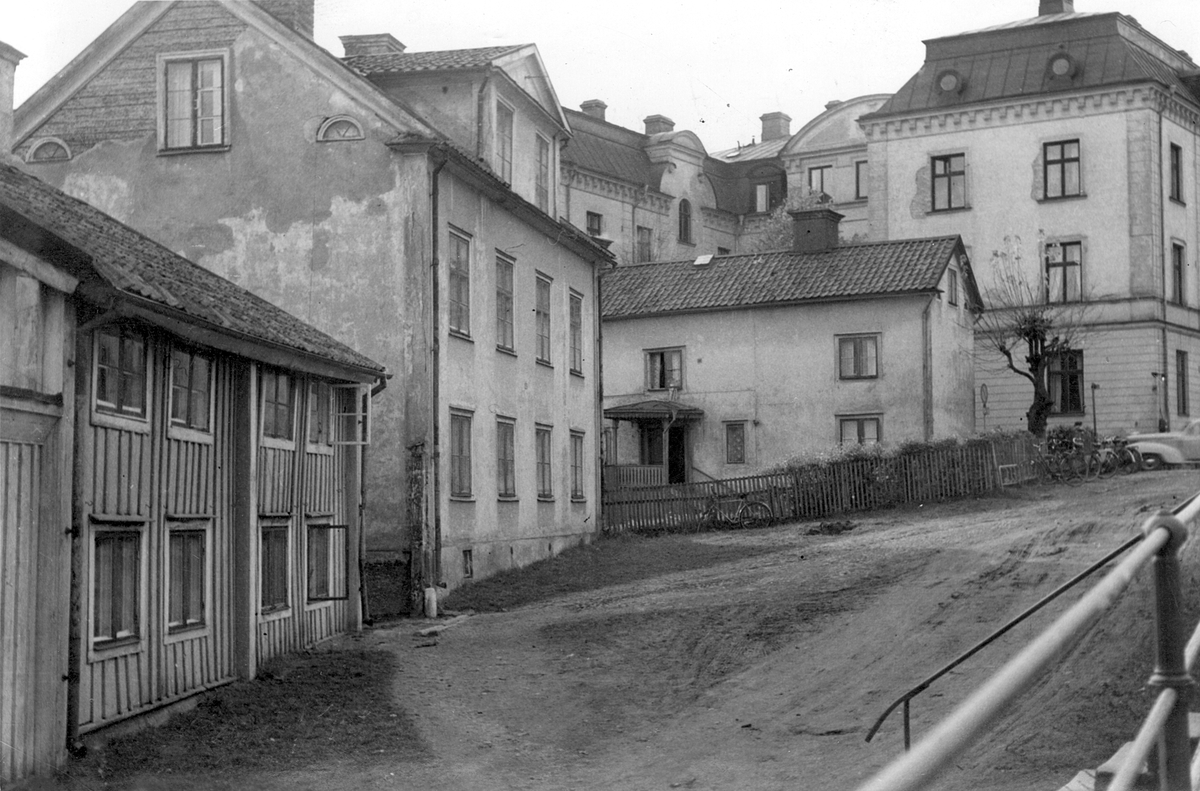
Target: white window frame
pixel 653 385
pixel 31 153
pixel 459 417
pixel 136 643
pixel 333 120
pixel 176 635
pixel 352 426
pixel 504 143
pixel 856 338
pixel 284 610
pixel 741 424
pixel 112 419
pixel 333 571
pixel 860 421
pixel 181 431
pixel 271 441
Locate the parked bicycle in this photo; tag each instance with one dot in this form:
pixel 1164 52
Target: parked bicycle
pixel 1116 457
pixel 735 512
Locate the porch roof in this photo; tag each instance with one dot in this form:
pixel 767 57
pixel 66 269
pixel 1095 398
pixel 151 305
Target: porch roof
pixel 654 409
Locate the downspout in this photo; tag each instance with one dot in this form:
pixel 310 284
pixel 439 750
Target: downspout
pixel 364 602
pixel 927 371
pixel 599 482
pixel 432 571
pixel 483 86
pixel 1165 420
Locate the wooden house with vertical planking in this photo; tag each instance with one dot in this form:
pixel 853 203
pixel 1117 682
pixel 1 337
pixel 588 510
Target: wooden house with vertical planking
pixel 181 468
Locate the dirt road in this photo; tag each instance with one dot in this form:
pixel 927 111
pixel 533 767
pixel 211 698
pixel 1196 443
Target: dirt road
pixel 766 672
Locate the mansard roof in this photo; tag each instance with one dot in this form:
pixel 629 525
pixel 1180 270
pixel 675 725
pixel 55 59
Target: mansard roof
pixel 847 272
pixel 438 60
pixel 610 150
pixel 1012 61
pixel 121 264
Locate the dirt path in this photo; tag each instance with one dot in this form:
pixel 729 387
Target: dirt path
pixel 765 673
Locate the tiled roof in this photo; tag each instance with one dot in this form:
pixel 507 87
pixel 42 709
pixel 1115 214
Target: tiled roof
pixel 134 264
pixel 1010 61
pixel 761 279
pixel 439 60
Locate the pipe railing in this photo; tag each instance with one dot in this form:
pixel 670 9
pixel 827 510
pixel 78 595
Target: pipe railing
pixel 991 638
pixel 1164 533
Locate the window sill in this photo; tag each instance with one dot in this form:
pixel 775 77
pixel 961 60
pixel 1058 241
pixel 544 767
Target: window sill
pixel 279 443
pixel 174 152
pixel 507 351
pixel 139 425
pixel 1177 201
pixel 857 378
pixel 183 634
pixel 507 498
pixel 545 363
pixel 545 498
pixel 851 202
pixel 111 649
pixel 319 449
pixel 1061 198
pixel 462 498
pixel 578 500
pixel 189 434
pixel 462 336
pixel 275 614
pixel 951 210
pixel 575 373
pixel 688 242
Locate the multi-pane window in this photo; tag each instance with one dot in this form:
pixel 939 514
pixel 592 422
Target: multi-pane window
pixel 545 482
pixel 468 564
pixel 116 586
pixel 195 103
pixel 858 430
pixel 187 548
pixel 1064 380
pixel 326 573
pixel 1178 264
pixel 506 458
pixel 576 334
pixel 460 455
pixel 685 221
pixel 952 286
pixel 504 140
pixel 818 178
pixel 273 566
pixel 949 182
pixel 48 151
pixel 664 369
pixel 858 357
pixel 860 180
pixel 1176 176
pixel 1060 168
pixel 190 387
pixel 320 414
pixel 541 187
pixel 459 257
pixel 577 488
pixel 1064 265
pixel 645 245
pixel 735 443
pixel 121 371
pixel 277 404
pixel 542 317
pixel 1181 381
pixel 595 223
pixel 504 302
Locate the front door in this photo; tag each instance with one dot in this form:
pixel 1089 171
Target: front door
pixel 677 459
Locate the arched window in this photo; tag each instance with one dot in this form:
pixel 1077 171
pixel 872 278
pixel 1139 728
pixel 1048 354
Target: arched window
pixel 685 221
pixel 339 127
pixel 49 149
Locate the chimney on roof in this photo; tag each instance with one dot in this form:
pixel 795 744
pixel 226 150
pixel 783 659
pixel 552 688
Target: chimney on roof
pixel 296 14
pixel 775 126
pixel 657 124
pixel 594 107
pixel 814 230
pixel 1047 7
pixel 9 58
pixel 371 44
pixel 832 103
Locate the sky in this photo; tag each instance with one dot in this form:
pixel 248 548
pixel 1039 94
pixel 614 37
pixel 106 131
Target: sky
pixel 712 68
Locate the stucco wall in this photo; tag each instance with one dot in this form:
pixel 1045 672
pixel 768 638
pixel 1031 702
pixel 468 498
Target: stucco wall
pixel 777 369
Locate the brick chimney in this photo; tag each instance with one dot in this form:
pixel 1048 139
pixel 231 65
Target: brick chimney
pixel 296 14
pixel 594 107
pixel 1047 7
pixel 371 44
pixel 814 230
pixel 9 58
pixel 775 126
pixel 657 124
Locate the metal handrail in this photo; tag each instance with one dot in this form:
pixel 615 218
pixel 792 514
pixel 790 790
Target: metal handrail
pixel 1164 533
pixel 985 642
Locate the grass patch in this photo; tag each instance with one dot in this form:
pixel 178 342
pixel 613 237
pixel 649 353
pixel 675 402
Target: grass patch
pixel 303 710
pixel 609 561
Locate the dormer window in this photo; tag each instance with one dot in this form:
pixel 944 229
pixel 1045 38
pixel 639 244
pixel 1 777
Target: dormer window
pixel 49 149
pixel 685 221
pixel 194 101
pixel 950 82
pixel 1061 66
pixel 339 127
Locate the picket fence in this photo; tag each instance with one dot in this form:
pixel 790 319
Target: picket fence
pixel 820 490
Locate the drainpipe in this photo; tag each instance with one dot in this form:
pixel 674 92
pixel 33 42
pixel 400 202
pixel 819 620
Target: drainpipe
pixel 432 567
pixel 1165 422
pixel 927 370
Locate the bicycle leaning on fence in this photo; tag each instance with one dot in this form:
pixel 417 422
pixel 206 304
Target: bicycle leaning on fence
pixel 724 513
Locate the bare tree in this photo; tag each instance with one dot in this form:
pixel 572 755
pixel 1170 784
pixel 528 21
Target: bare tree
pixel 1031 322
pixel 776 231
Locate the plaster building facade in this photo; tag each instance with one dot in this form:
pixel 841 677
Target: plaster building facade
pixel 348 192
pixel 1070 141
pixel 722 367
